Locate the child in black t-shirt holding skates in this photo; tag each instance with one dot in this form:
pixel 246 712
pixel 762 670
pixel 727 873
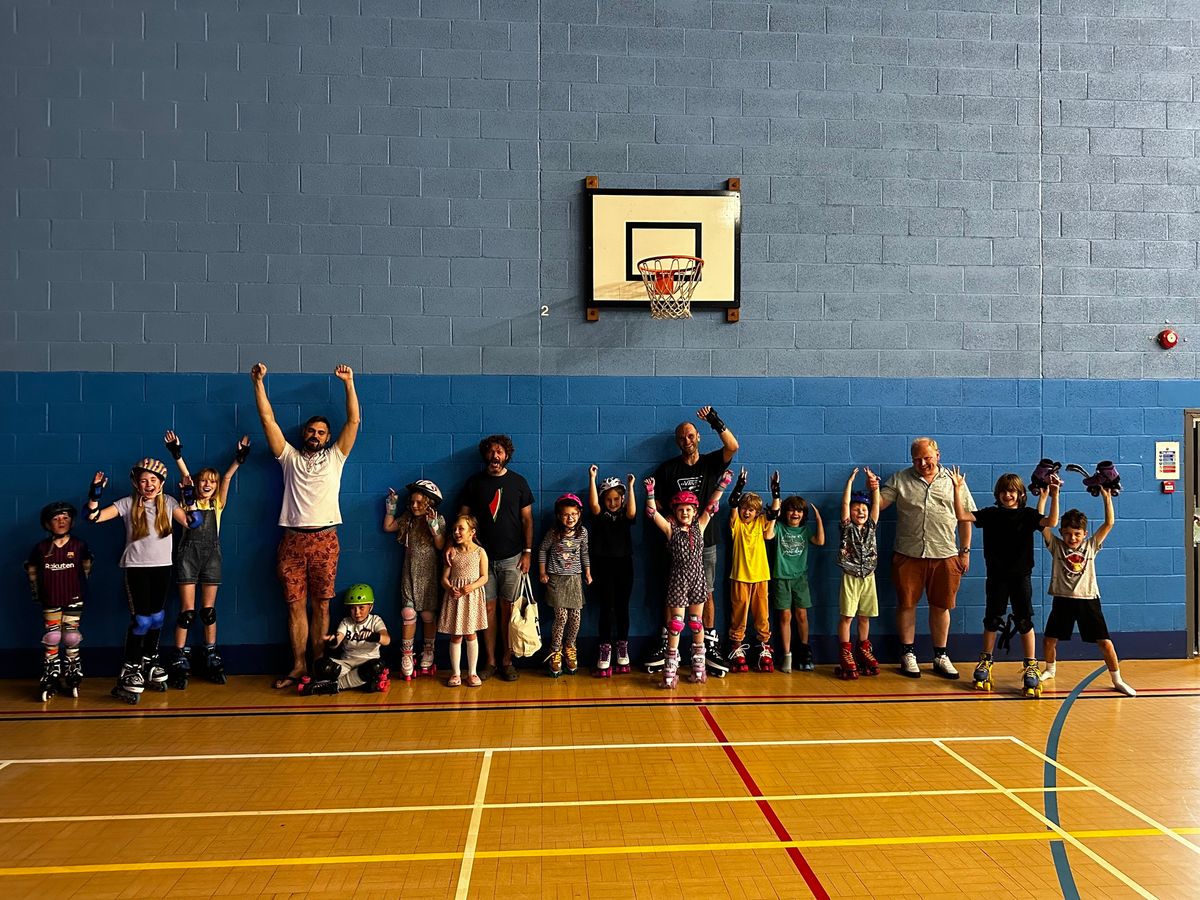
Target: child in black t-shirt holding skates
pixel 614 508
pixel 1008 529
pixel 58 568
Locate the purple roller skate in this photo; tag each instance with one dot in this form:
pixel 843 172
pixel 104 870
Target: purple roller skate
pixel 1040 479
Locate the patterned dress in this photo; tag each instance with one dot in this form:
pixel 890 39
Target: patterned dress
pixel 686 586
pixel 419 577
pixel 466 614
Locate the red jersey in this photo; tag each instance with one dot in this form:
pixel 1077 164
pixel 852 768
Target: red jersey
pixel 60 577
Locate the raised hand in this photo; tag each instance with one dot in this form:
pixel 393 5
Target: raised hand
pixel 592 470
pixel 775 485
pixel 258 372
pixel 959 477
pixel 242 453
pixel 173 444
pixel 344 372
pixel 726 479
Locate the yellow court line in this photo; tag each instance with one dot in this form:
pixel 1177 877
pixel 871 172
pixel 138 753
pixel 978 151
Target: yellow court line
pixel 1057 829
pixel 619 850
pixel 468 856
pixel 536 804
pixel 1112 798
pixel 548 748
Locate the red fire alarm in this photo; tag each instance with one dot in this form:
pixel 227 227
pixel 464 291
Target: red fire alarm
pixel 1167 338
pixel 1168 487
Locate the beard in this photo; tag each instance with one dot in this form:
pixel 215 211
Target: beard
pixel 314 445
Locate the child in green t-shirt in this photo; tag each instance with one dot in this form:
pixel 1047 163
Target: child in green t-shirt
pixel 789 576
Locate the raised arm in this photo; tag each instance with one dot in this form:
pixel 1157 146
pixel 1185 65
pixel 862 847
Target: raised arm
pixel 714 500
pixel 846 495
pixel 1051 492
pixel 391 522
pixel 346 439
pixel 961 513
pixel 240 454
pixel 266 415
pixel 652 512
pixel 776 502
pixel 729 444
pixel 876 499
pixel 630 497
pixel 1110 517
pixel 593 494
pixel 818 538
pixel 175 447
pixel 94 512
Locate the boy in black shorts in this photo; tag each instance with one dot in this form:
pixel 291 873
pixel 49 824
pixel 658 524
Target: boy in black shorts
pixel 1075 591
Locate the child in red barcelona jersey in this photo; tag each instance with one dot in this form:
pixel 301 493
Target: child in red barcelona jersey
pixel 58 568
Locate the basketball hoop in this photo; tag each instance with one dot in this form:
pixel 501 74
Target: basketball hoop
pixel 670 282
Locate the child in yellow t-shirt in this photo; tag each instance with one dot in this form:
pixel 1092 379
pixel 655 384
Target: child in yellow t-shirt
pixel 751 528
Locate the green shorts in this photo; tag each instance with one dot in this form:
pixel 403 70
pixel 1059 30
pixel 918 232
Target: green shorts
pixel 790 593
pixel 858 596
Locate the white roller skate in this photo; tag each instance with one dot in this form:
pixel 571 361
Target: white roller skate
pixel 604 663
pixel 407 668
pixel 154 676
pixel 983 673
pixel 427 666
pixel 130 683
pixel 699 665
pixel 622 665
pixel 670 670
pixel 1031 682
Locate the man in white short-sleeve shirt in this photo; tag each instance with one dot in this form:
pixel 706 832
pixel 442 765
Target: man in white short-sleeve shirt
pixel 310 514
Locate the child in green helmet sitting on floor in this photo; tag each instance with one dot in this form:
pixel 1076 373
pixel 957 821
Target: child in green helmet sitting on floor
pixel 352 659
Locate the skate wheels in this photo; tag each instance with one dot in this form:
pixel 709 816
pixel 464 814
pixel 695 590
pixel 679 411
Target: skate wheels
pixel 846 674
pixel 125 696
pixel 1034 692
pixel 984 685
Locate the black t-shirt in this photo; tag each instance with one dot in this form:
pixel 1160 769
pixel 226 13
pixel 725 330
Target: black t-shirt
pixel 1008 538
pixel 496 501
pixel 701 479
pixel 611 534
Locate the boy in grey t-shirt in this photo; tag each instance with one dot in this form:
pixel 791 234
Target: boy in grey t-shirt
pixel 1076 592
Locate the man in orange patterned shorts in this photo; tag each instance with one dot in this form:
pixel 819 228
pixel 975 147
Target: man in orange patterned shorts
pixel 308 552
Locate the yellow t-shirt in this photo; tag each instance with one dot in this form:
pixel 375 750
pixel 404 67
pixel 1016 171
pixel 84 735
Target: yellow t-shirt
pixel 749 550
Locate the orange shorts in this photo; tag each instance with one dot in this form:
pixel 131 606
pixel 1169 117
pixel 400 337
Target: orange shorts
pixel 307 565
pixel 938 579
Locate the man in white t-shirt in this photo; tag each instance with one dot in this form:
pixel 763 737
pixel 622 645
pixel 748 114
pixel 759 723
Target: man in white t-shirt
pixel 308 551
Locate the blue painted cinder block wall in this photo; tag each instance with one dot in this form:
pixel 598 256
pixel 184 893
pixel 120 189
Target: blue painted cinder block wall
pixel 68 425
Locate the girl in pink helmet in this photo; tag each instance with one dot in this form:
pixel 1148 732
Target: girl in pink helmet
pixel 685 584
pixel 564 567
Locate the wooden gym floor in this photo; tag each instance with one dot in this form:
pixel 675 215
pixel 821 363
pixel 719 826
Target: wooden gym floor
pixel 758 785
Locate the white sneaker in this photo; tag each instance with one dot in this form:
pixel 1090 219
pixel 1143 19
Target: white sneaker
pixel 908 665
pixel 944 667
pixel 1046 674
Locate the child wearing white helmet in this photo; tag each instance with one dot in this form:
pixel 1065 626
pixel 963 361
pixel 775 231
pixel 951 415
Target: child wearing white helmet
pixel 422 532
pixel 149 515
pixel 564 566
pixel 614 508
pixel 352 657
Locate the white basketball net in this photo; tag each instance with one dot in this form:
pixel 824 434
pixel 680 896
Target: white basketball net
pixel 670 282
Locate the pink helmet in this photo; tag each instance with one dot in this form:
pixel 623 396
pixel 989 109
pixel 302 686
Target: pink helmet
pixel 568 500
pixel 685 498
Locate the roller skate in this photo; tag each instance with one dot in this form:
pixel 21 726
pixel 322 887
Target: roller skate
pixel 571 660
pixel 1031 681
pixel 554 663
pixel 130 683
pixel 864 658
pixel 378 681
pixel 154 675
pixel 737 659
pixel 427 666
pixel 1106 475
pixel 604 663
pixel 72 677
pixel 308 687
pixel 621 665
pixel 406 660
pixel 718 665
pixel 785 663
pixel 179 669
pixel 670 671
pixel 699 667
pixel 983 673
pixel 48 686
pixel 766 661
pixel 658 657
pixel 847 670
pixel 1040 479
pixel 214 666
pixel 804 658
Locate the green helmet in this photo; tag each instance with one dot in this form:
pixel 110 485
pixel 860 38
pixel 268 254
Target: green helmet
pixel 359 595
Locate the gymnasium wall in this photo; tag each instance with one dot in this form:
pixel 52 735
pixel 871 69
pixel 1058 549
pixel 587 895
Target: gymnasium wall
pixel 947 204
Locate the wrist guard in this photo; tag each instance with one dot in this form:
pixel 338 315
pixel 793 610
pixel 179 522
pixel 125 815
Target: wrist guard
pixel 242 453
pixel 187 494
pixel 175 448
pixel 715 421
pixel 372 638
pixel 772 514
pixel 389 506
pixel 775 486
pixel 96 491
pixel 436 524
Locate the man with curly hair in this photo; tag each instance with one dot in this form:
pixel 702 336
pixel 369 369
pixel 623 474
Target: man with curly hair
pixel 502 502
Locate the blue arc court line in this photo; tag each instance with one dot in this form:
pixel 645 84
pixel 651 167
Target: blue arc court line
pixel 1058 850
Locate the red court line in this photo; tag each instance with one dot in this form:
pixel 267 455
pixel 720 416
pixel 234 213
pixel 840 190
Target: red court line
pixel 802 866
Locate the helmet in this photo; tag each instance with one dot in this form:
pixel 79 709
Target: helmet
pixel 153 466
pixel 685 498
pixel 860 498
pixel 426 487
pixel 57 508
pixel 359 595
pixel 567 500
pixel 611 484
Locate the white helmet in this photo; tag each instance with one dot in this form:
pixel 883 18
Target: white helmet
pixel 609 484
pixel 426 487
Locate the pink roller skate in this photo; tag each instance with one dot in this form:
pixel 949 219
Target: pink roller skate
pixel 427 666
pixel 699 667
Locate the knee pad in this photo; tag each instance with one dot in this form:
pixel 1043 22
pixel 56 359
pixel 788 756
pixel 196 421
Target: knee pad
pixel 993 623
pixel 208 615
pixel 72 637
pixel 325 668
pixel 370 670
pixel 1024 626
pixel 156 620
pixel 142 624
pixel 51 638
pixel 185 619
pixel 675 625
pixel 696 624
pixel 408 615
